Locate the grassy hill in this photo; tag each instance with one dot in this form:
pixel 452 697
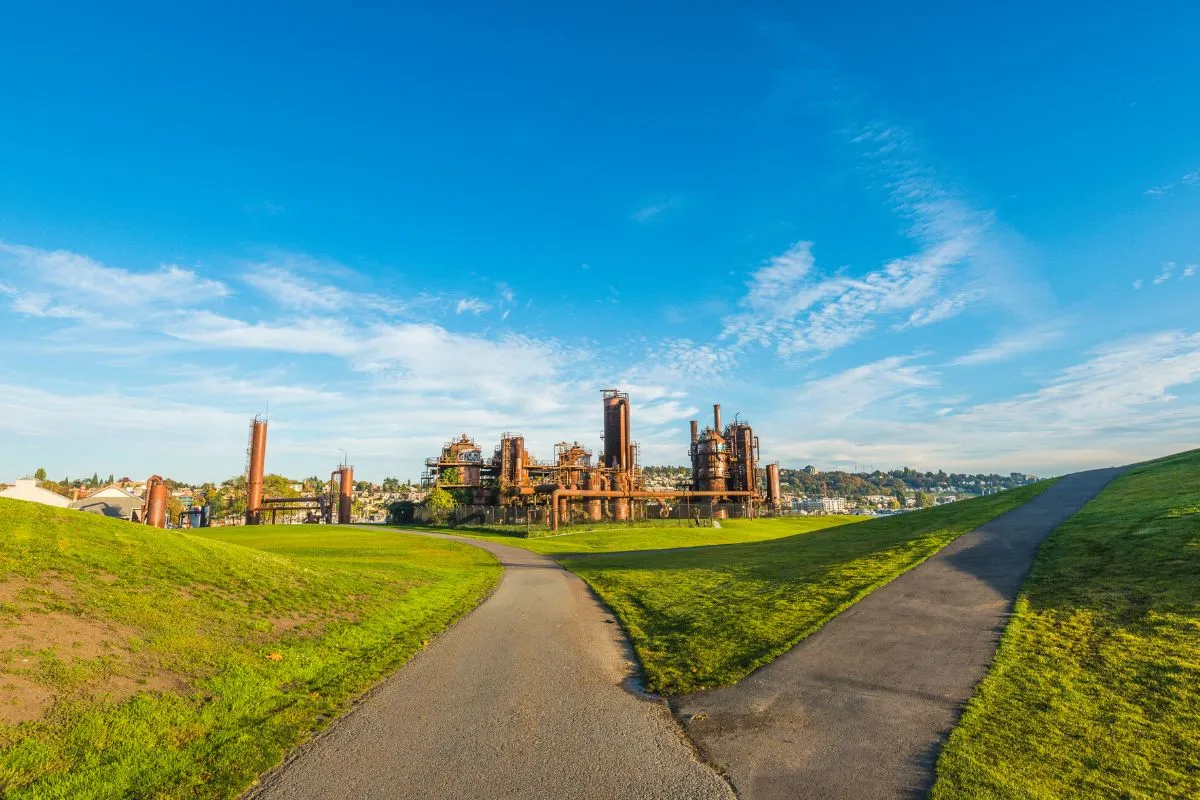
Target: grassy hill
pixel 709 616
pixel 1095 691
pixel 143 663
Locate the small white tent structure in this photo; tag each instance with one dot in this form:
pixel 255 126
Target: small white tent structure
pixel 28 489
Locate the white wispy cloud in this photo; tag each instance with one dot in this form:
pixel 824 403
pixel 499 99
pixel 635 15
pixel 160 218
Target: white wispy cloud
pixel 675 360
pixel 1137 284
pixel 1124 402
pixel 943 309
pixel 81 279
pixel 1164 275
pixel 1012 345
pixel 792 306
pixel 285 284
pixel 312 336
pixel 1189 270
pixel 37 304
pixel 1187 179
pixel 471 305
pixel 838 398
pixel 648 213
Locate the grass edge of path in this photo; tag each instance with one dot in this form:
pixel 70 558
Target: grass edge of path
pixel 1084 695
pixel 655 681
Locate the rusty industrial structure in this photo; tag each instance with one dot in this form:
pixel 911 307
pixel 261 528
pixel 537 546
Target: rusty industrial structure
pixel 154 507
pixel 316 508
pixel 575 486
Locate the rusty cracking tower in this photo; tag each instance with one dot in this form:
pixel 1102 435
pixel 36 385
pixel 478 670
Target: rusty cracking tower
pixel 257 459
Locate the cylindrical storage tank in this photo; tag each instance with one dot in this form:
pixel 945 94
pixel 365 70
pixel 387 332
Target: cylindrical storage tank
pixel 595 509
pixel 345 494
pixel 156 503
pixel 616 429
pixel 564 510
pixel 717 417
pixel 621 509
pixel 774 496
pixel 258 460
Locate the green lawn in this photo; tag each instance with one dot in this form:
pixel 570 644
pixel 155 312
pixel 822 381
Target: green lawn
pixel 1095 691
pixel 710 616
pixel 659 537
pixel 172 665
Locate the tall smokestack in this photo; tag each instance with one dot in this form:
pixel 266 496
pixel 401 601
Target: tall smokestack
pixel 695 431
pixel 717 416
pixel 345 494
pixel 258 460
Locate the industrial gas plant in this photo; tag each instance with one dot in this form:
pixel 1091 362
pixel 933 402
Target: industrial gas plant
pixel 511 486
pixel 316 508
pixel 725 475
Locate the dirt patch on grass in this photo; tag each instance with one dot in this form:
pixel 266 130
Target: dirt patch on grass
pixel 22 700
pixel 116 688
pixel 69 636
pixel 48 590
pixel 42 628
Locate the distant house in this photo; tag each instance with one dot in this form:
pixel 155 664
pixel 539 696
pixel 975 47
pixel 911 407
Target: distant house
pixel 28 489
pixel 112 501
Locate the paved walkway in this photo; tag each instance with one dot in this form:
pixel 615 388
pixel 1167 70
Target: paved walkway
pixel 860 708
pixel 524 698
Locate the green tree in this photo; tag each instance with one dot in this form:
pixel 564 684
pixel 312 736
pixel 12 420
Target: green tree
pixel 95 479
pixel 440 504
pixel 450 476
pixel 391 485
pixel 924 500
pixel 40 474
pixel 174 509
pixel 278 486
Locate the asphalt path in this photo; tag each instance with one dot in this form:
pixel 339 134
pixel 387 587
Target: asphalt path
pixel 530 696
pixel 860 708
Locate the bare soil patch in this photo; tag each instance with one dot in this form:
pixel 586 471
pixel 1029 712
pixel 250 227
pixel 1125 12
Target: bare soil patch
pixel 22 700
pixel 40 625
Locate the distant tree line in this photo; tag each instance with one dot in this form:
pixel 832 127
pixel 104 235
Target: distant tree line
pixel 899 483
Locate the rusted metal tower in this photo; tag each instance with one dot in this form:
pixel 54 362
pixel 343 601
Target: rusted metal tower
pixel 345 493
pixel 255 470
pixel 774 496
pixel 154 508
pixel 617 451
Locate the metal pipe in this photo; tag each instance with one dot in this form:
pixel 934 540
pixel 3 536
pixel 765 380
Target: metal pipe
pixel 695 431
pixel 717 417
pixel 558 492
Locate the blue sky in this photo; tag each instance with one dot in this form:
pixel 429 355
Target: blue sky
pixel 935 235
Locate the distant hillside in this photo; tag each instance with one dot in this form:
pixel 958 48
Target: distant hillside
pixel 809 481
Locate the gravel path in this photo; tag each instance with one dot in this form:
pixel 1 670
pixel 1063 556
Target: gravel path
pixel 860 708
pixel 526 697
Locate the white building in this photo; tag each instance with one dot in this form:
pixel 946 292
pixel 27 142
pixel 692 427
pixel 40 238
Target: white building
pixel 823 505
pixel 28 489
